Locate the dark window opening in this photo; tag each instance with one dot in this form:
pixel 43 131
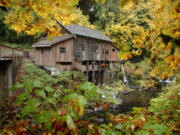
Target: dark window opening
pixel 103 51
pixel 113 50
pixel 85 62
pixel 94 49
pixel 107 51
pixel 82 47
pixel 62 50
pixel 65 63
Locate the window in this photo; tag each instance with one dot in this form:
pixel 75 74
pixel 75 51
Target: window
pixel 94 49
pixel 103 51
pixel 82 47
pixel 62 50
pixel 65 63
pixel 107 51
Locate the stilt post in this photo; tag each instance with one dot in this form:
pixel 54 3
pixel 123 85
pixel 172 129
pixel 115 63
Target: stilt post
pixel 93 71
pixel 99 73
pixel 87 70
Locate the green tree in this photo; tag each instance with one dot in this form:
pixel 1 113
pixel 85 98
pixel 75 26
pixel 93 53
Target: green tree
pixel 106 13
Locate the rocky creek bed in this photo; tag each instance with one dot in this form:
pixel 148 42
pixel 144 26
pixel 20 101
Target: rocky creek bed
pixel 134 98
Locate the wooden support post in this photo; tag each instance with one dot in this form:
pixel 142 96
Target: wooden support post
pixel 99 73
pixel 109 75
pixel 93 71
pixel 104 76
pixel 113 69
pixel 87 70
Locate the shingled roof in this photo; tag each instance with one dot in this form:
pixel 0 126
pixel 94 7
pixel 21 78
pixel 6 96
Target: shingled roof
pixel 74 30
pixel 87 32
pixel 45 42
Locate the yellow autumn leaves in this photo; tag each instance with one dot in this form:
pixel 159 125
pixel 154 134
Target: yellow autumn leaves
pixel 129 44
pixel 166 25
pixel 38 16
pixel 159 38
pixel 167 17
pixel 102 1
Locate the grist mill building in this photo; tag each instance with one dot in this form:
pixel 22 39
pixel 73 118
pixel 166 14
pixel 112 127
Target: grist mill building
pixel 79 48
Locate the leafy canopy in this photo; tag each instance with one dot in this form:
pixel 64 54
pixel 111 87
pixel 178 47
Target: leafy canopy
pixel 33 16
pixel 149 25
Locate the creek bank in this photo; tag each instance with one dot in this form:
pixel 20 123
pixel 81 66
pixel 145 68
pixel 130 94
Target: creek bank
pixel 138 97
pixel 133 98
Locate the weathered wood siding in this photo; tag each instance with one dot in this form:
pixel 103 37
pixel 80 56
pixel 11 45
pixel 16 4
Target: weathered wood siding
pixel 105 51
pixel 83 50
pixel 51 56
pixel 68 55
pixel 44 56
pixel 79 53
pixel 30 54
pixel 63 67
pixel 114 54
pixel 9 53
pixel 76 53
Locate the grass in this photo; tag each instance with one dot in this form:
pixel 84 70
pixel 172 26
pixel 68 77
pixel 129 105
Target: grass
pixel 17 46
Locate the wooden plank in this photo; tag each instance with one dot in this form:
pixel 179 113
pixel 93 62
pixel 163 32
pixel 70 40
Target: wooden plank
pixel 93 71
pixel 9 52
pixel 68 55
pixel 87 70
pixel 99 72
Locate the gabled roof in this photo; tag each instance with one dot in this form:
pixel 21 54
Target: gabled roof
pixel 45 42
pixel 74 30
pixel 86 32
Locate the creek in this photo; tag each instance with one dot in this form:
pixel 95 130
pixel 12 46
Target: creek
pixel 135 97
pixel 124 74
pixel 127 100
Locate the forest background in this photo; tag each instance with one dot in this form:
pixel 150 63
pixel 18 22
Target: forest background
pixel 145 31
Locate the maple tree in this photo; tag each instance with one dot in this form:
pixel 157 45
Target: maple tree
pixel 81 19
pixel 163 37
pixel 39 16
pixel 152 26
pixel 33 16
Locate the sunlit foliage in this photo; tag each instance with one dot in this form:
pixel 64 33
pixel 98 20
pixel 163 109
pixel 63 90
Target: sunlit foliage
pixel 149 25
pixel 164 35
pixel 81 19
pixel 36 16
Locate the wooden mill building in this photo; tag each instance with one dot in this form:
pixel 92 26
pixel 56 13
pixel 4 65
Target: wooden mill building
pixel 80 48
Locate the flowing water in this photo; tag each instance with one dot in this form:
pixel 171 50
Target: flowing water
pixel 136 97
pixel 168 81
pixel 124 74
pixel 127 100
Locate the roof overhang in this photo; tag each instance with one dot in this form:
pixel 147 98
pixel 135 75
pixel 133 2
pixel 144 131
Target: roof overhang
pixel 45 42
pixel 39 45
